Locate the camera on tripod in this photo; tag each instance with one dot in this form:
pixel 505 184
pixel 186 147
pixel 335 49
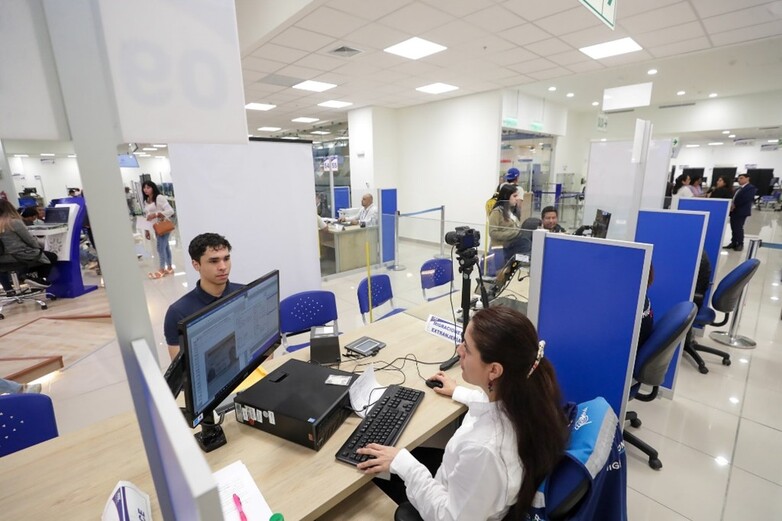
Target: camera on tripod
pixel 463 238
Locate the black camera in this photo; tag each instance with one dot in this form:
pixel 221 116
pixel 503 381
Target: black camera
pixel 464 238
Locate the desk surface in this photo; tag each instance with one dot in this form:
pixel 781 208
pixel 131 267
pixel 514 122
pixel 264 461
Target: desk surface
pixel 74 474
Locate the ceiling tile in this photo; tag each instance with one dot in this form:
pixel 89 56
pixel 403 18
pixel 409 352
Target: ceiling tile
pixel 511 56
pixel 536 10
pixel 593 35
pixel 707 8
pixel 270 51
pixel 368 10
pixel 459 8
pixel 527 67
pixel 556 72
pixel 261 64
pixel 586 66
pixel 416 18
pixel 455 32
pixel 671 34
pixel 569 58
pixel 681 12
pixel 356 68
pixel 249 77
pixel 569 21
pixel 745 34
pixel 330 22
pixel 633 8
pixel 622 59
pixel 416 68
pixel 735 20
pixel 484 47
pixel 302 39
pixel 525 34
pixel 295 71
pixel 388 76
pixel 376 36
pixel 548 47
pixel 321 62
pixel 514 81
pixel 494 19
pixel 671 49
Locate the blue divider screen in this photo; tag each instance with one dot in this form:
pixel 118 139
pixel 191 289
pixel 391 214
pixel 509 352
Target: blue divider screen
pixel 718 214
pixel 341 199
pixel 589 313
pixel 676 237
pixel 388 207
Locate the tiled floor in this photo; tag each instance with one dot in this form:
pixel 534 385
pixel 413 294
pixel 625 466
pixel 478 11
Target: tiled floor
pixel 720 438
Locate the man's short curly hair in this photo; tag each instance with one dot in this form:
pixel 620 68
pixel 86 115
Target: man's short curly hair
pixel 201 243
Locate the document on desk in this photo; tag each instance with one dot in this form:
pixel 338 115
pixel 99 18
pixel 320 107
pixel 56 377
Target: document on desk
pixel 365 391
pixel 236 479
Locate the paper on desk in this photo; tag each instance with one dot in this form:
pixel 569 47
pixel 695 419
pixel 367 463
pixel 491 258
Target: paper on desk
pixel 364 389
pixel 236 479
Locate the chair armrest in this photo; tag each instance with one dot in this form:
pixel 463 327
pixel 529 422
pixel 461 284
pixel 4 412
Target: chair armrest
pixel 648 397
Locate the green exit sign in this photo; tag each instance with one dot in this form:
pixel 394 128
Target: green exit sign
pixel 510 122
pixel 603 9
pixel 536 125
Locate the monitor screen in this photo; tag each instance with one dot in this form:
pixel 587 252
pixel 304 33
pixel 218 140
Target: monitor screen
pixel 600 226
pixel 226 341
pixel 127 161
pixel 56 215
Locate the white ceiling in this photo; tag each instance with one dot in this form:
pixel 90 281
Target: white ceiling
pixel 731 47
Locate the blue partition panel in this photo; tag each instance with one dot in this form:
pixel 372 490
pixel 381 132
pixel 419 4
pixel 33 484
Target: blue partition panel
pixel 66 276
pixel 388 209
pixel 589 306
pixel 718 215
pixel 677 237
pixel 341 199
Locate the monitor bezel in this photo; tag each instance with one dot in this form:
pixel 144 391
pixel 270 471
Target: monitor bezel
pixel 194 418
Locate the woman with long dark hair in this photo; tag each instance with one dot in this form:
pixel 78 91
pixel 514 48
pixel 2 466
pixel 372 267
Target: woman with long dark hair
pixel 19 246
pixel 513 435
pixel 156 208
pixel 505 221
pixel 681 188
pixel 721 189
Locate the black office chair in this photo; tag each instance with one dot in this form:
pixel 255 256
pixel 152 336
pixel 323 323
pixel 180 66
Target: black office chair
pixel 651 365
pixel 19 293
pixel 724 300
pixel 529 225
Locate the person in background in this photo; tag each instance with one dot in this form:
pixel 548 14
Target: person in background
pixel 505 222
pixel 511 177
pixel 550 220
pixel 512 436
pixel 156 208
pixel 210 254
pixel 368 214
pixel 721 190
pixel 21 247
pixel 11 387
pixel 740 209
pixel 696 188
pixel 681 187
pixel 30 215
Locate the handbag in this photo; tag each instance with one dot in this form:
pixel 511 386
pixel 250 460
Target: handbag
pixel 163 227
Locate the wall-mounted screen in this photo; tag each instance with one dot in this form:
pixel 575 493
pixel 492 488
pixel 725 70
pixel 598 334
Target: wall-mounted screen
pixel 127 161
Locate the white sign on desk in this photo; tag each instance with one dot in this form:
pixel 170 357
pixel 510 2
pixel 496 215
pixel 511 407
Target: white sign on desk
pixel 444 329
pixel 605 10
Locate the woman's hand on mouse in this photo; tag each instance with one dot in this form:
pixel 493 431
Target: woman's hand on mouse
pixel 381 462
pixel 449 384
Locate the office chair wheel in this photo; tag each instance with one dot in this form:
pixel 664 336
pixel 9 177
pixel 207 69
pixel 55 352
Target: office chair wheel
pixel 635 422
pixel 703 369
pixel 655 463
pixel 726 361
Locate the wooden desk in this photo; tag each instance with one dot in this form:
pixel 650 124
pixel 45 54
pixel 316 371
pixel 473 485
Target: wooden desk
pixel 73 475
pixel 349 245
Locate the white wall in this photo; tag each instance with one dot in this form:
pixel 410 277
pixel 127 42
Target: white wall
pixel 362 154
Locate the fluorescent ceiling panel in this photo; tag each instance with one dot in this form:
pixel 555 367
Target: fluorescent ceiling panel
pixel 436 88
pixel 320 132
pixel 269 129
pixel 415 48
pixel 305 120
pixel 629 96
pixel 259 106
pixel 314 86
pixel 334 104
pixel 613 48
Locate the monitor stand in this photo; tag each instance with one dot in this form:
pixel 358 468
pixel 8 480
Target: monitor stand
pixel 211 435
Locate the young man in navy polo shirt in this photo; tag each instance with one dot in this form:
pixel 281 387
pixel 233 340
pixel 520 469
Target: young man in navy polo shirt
pixel 210 254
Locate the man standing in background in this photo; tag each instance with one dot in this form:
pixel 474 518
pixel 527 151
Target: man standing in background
pixel 740 209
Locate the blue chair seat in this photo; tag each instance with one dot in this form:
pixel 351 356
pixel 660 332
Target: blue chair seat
pixel 705 316
pixel 25 420
pixel 302 311
pixel 436 272
pixel 381 293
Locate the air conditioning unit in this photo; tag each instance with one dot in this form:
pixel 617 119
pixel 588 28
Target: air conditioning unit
pixel 744 142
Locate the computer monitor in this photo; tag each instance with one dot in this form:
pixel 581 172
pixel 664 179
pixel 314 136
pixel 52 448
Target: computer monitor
pixel 127 161
pixel 221 345
pixel 726 172
pixel 600 226
pixel 56 215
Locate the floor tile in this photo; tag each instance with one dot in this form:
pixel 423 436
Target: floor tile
pixel 642 508
pixel 762 405
pixel 752 497
pixel 759 451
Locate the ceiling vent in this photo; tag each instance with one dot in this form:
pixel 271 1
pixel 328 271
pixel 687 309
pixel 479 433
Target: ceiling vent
pixel 345 52
pixel 280 80
pixel 675 105
pixel 620 111
pixel 744 142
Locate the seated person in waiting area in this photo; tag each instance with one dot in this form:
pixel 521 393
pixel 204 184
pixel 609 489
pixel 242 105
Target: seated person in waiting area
pixel 210 254
pixel 368 213
pixel 550 220
pixel 505 222
pixel 22 248
pixel 512 437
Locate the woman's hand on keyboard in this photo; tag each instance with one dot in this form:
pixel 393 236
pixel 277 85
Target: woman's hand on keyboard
pixel 381 458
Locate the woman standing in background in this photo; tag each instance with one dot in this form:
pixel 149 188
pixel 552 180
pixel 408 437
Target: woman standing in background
pixel 156 208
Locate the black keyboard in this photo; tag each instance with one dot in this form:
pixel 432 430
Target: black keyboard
pixel 384 423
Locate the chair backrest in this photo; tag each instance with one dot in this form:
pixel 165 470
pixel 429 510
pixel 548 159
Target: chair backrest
pixel 25 420
pixel 654 356
pixel 728 291
pixel 436 272
pixel 529 225
pixel 381 292
pixel 301 311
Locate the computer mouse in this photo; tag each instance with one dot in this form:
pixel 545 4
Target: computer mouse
pixel 434 383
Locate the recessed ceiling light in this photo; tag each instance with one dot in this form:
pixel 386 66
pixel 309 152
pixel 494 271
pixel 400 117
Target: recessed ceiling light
pixel 731 136
pixel 314 86
pixel 290 137
pixel 613 48
pixel 71 155
pixel 149 149
pixel 552 89
pixel 21 155
pixel 713 95
pixel 436 88
pixel 569 95
pixel 681 93
pixel 603 140
pixel 595 103
pixel 721 461
pixel 258 106
pixel 160 157
pixel 691 146
pixel 734 400
pixel 160 146
pixel 773 141
pixel 415 48
pixel 320 132
pixel 716 143
pixel 726 131
pixel 269 129
pixel 305 120
pixel 47 155
pixel 651 72
pixel 334 104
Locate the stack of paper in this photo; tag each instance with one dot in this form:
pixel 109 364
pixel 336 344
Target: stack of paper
pixel 236 479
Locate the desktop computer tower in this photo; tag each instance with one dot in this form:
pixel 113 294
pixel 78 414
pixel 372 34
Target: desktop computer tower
pixel 294 402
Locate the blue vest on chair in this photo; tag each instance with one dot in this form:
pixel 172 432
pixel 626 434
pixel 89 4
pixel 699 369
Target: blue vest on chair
pixel 595 454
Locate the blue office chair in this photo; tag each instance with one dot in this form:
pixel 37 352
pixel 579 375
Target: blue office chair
pixel 25 420
pixel 724 300
pixel 381 293
pixel 436 272
pixel 302 311
pixel 651 364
